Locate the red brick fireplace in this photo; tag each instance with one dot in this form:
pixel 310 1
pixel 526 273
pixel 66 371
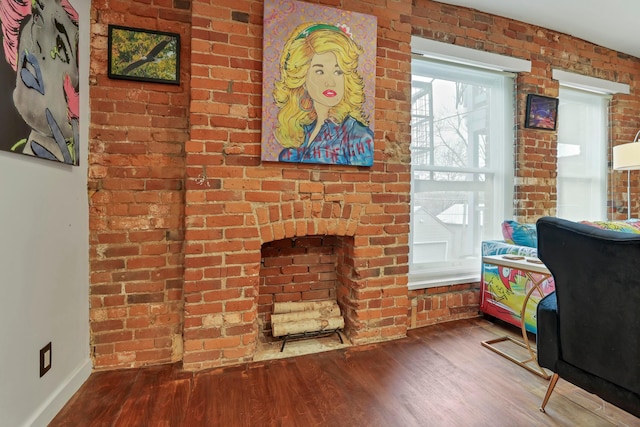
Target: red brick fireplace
pixel 297 270
pixel 289 251
pixel 354 221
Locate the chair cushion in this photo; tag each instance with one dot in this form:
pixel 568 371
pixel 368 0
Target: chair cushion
pixel 520 234
pixel 629 226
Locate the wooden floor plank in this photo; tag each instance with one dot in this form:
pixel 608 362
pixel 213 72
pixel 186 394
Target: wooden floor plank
pixel 99 401
pixel 438 376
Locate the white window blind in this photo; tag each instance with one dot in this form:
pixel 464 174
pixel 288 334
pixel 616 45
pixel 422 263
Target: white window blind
pixel 462 168
pixel 582 155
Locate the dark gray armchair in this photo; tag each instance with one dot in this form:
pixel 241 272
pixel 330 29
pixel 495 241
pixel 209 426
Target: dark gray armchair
pixel 589 328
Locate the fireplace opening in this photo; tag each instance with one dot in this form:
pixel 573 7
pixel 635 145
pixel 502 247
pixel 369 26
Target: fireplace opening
pixel 298 270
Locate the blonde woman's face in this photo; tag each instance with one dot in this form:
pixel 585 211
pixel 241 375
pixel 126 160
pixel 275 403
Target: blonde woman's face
pixel 325 80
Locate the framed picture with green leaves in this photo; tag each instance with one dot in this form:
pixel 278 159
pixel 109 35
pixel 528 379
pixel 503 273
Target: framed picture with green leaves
pixel 144 55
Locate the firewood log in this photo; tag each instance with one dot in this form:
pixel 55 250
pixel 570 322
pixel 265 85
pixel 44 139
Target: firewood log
pixel 290 307
pixel 306 325
pixel 301 315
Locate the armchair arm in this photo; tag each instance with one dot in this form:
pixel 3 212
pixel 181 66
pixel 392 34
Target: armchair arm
pixel 547 337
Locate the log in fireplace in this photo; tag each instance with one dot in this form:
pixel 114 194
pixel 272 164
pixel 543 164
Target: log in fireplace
pixel 306 319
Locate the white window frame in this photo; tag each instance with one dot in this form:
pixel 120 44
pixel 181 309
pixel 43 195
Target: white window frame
pixel 582 155
pixel 597 86
pixel 460 57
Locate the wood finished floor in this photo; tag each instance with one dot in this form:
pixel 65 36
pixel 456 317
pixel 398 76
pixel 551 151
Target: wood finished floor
pixel 437 376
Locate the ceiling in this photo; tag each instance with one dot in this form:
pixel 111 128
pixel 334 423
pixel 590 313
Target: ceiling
pixel 609 23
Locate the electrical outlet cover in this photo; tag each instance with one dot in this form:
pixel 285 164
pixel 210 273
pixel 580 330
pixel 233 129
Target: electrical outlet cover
pixel 45 359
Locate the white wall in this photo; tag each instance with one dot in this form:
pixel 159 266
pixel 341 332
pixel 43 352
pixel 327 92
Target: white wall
pixel 44 273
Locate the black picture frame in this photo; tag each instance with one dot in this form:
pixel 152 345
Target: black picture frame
pixel 542 112
pixel 143 55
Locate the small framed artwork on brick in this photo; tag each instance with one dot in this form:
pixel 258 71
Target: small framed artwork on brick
pixel 144 55
pixel 542 112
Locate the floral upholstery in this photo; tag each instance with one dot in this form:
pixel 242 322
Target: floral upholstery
pixel 519 234
pixel 629 226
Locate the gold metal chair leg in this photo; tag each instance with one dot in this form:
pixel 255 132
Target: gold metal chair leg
pixel 552 384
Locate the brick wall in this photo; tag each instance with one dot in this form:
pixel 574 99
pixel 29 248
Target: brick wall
pixel 182 209
pixel 136 195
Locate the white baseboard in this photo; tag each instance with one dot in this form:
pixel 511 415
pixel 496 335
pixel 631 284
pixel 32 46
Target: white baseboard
pixel 61 395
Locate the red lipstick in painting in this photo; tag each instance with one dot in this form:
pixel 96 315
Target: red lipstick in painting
pixel 329 93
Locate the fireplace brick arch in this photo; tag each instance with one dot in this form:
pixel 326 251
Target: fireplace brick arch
pixel 222 276
pixel 307 218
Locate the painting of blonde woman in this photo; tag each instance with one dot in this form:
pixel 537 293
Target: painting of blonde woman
pixel 318 110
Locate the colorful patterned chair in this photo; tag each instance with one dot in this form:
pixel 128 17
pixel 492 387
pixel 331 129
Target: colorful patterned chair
pixel 503 289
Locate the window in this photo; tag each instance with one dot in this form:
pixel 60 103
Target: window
pixel 461 168
pixel 582 155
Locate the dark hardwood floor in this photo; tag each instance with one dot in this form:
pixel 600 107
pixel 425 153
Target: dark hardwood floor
pixel 437 376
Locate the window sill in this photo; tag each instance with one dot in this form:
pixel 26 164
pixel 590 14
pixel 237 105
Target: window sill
pixel 424 283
